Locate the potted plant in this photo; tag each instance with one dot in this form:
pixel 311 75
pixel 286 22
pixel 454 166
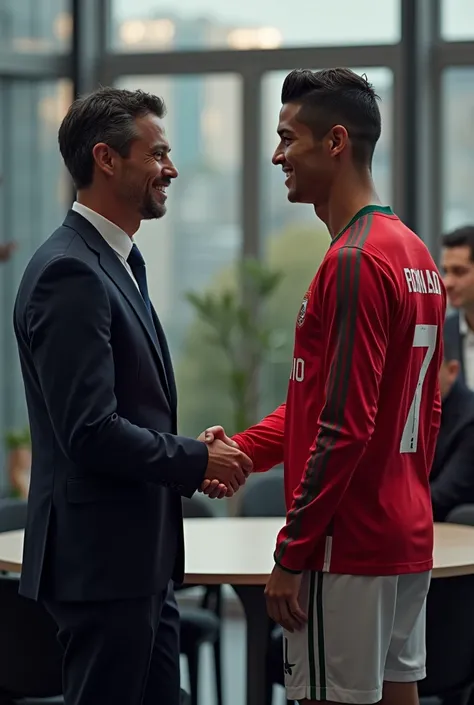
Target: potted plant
pixel 18 445
pixel 236 327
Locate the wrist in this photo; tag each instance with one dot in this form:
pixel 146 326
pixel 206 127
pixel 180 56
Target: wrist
pixel 282 567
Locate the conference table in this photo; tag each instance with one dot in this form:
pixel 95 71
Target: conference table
pixel 239 552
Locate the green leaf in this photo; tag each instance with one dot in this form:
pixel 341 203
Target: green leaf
pixel 18 438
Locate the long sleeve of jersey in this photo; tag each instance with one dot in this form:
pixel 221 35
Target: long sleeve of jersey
pixel 263 442
pixel 353 296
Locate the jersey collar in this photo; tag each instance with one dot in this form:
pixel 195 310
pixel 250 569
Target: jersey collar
pixel 385 210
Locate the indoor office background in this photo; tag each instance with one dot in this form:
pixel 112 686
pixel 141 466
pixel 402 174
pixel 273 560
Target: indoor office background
pixel 219 68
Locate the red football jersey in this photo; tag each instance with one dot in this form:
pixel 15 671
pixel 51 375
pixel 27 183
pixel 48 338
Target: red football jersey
pixel 359 428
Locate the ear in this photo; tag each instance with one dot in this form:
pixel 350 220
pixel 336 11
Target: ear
pixel 104 158
pixel 454 367
pixel 338 139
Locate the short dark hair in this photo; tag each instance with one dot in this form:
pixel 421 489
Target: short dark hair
pixel 333 96
pixel 106 115
pixel 461 237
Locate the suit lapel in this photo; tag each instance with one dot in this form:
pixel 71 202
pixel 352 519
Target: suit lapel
pixel 168 366
pixel 111 264
pixel 460 342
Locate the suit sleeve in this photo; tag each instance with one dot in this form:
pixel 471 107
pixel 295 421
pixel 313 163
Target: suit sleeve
pixel 69 331
pixel 263 442
pixel 355 313
pixel 454 485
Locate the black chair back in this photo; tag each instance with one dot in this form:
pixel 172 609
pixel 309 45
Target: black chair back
pixel 198 507
pixel 30 655
pixel 264 495
pixel 464 514
pixel 449 637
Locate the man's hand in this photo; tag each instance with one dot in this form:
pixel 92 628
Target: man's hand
pixel 282 595
pixel 217 433
pixel 227 468
pixel 213 488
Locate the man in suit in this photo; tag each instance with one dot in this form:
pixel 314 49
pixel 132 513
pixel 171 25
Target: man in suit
pixel 452 474
pixel 458 267
pixel 104 535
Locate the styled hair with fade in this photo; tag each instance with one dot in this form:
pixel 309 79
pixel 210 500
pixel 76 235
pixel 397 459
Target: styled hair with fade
pixel 461 237
pixel 337 96
pixel 107 115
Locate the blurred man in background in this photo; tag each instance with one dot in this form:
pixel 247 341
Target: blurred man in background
pixel 452 474
pixel 458 267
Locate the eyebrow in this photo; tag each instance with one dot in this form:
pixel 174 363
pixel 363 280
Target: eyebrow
pixel 284 131
pixel 161 147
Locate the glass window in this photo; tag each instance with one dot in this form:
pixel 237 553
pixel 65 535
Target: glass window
pixel 295 241
pixel 457 147
pixel 34 196
pixel 457 20
pixel 195 247
pixel 151 25
pixel 35 25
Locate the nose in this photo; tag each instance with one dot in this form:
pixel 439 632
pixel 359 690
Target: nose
pixel 448 280
pixel 170 171
pixel 278 157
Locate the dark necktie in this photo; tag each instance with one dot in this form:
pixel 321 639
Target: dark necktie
pixel 137 265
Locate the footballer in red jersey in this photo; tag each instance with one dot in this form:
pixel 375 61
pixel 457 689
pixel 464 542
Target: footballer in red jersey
pixel 358 431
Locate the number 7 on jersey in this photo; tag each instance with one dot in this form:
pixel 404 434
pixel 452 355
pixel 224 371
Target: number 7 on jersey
pixel 425 337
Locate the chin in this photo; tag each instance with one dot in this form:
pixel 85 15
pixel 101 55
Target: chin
pixel 293 196
pixel 454 301
pixel 157 211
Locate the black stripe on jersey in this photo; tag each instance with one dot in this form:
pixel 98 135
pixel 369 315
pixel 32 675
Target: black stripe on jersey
pixel 348 270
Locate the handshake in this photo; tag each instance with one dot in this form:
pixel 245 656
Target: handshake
pixel 227 467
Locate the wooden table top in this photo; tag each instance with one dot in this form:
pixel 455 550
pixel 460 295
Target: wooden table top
pixel 240 551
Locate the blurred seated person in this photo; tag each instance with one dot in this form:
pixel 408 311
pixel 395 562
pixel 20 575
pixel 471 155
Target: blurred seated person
pixel 6 251
pixel 6 248
pixel 452 474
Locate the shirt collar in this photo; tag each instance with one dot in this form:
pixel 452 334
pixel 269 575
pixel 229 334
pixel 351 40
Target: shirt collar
pixel 463 327
pixel 114 236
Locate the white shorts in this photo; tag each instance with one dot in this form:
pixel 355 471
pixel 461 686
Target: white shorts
pixel 361 631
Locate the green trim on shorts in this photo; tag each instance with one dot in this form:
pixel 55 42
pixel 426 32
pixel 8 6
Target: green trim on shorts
pixel 316 598
pixel 321 649
pixel 318 592
pixel 311 649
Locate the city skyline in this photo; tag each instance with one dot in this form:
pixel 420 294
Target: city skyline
pixel 310 22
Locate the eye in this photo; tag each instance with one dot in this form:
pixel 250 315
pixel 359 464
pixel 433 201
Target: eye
pixel 158 155
pixel 286 141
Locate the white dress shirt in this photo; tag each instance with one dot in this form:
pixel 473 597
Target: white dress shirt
pixel 114 236
pixel 467 337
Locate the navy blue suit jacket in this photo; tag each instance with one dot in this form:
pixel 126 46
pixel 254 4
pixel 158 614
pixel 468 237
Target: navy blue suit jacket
pixel 104 516
pixel 452 474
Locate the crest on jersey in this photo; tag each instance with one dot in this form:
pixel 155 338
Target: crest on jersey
pixel 302 313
